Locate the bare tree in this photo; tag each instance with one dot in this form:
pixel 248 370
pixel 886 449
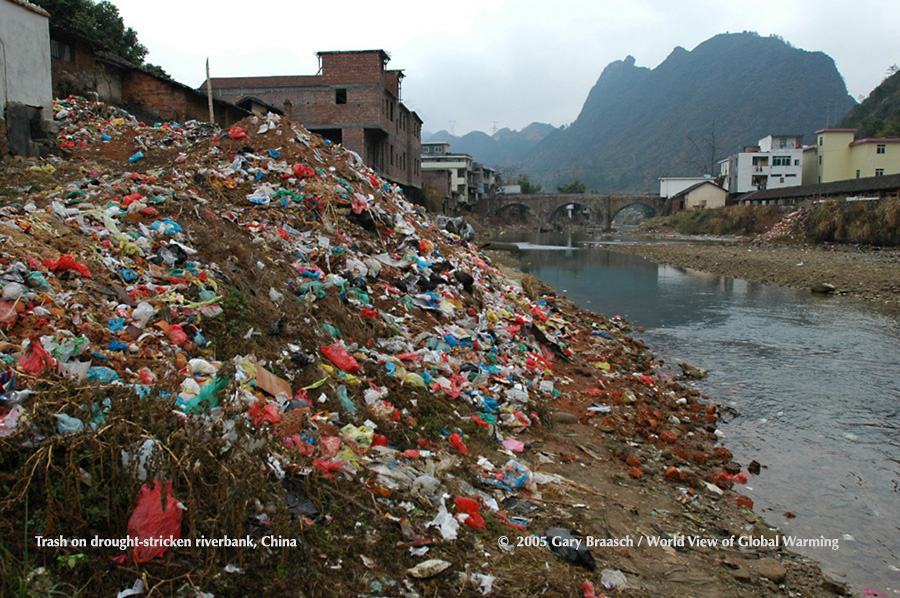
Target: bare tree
pixel 704 153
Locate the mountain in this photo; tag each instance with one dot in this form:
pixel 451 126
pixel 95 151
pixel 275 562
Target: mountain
pixel 692 110
pixel 504 148
pixel 879 114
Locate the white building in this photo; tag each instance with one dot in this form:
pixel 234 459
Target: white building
pixel 775 163
pixel 26 91
pixel 670 186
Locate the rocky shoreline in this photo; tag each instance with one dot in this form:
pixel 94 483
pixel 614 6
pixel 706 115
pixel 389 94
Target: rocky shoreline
pixel 871 274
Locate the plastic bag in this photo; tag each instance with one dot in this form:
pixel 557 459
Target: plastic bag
pixel 151 520
pixel 337 355
pixel 456 440
pixel 10 421
pixel 35 359
pixel 66 424
pixel 67 262
pixel 444 522
pixel 8 315
pixel 468 512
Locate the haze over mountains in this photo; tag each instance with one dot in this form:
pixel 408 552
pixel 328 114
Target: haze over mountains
pixel 678 119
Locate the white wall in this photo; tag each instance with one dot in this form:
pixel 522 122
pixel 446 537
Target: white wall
pixel 673 185
pixel 25 58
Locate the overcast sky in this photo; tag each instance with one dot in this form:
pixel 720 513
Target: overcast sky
pixel 477 65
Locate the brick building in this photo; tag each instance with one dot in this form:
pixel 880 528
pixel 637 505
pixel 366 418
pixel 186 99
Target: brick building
pixel 80 67
pixel 354 101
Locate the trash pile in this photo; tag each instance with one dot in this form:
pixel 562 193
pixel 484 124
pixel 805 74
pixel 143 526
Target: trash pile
pixel 790 229
pixel 254 329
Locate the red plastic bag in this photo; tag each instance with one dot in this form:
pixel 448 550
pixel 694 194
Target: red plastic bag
pixel 36 358
pixel 337 355
pixel 456 440
pixel 67 262
pixel 469 506
pixel 177 335
pixel 260 415
pixel 151 520
pixel 303 171
pixel 327 467
pixel 237 133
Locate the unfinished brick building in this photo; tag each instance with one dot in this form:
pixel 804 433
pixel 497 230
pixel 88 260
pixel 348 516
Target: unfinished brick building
pixel 354 101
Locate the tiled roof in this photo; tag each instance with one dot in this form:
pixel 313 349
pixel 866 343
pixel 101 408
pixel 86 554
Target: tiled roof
pixel 874 184
pixel 32 7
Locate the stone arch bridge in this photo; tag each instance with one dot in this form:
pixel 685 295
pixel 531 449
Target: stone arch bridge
pixel 600 209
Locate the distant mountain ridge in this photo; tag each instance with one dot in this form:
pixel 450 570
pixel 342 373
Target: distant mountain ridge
pixel 505 148
pixel 879 114
pixel 695 108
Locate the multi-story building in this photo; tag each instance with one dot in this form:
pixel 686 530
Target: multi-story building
pixel 462 181
pixel 840 157
pixel 776 162
pixel 354 101
pixel 437 162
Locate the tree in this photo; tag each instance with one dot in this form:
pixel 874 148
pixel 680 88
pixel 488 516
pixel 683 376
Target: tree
pixel 101 23
pixel 527 186
pixel 573 187
pixel 705 152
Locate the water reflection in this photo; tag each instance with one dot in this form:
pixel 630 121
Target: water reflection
pixel 814 381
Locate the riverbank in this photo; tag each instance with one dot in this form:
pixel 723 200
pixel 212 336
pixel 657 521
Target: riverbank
pixel 864 273
pixel 263 354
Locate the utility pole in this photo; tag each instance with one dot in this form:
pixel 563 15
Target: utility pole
pixel 212 118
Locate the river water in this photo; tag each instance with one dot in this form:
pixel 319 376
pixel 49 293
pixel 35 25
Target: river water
pixel 815 382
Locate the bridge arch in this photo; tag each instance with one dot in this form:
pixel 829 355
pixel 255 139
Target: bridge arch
pixel 573 212
pixel 518 211
pixel 544 206
pixel 654 209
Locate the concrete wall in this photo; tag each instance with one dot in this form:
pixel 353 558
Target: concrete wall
pixel 26 96
pixel 25 58
pixel 865 158
pixel 705 196
pixel 673 185
pixel 833 155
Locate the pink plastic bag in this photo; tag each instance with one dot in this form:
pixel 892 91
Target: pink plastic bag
pixel 151 520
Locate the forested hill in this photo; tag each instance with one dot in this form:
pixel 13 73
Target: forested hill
pixel 879 114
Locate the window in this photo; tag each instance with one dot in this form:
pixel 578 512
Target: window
pixel 857 174
pixel 821 140
pixel 879 172
pixel 781 161
pixel 340 96
pixel 63 51
pixel 820 160
pixel 879 149
pixel 797 162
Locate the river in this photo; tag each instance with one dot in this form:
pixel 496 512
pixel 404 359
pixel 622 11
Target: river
pixel 815 382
